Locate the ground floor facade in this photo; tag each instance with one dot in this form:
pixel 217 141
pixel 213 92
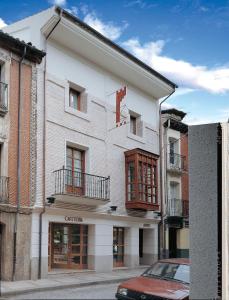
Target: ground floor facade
pixel 91 241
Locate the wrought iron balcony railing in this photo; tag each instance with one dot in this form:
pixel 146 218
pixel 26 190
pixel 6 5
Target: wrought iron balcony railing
pixel 68 182
pixel 3 98
pixel 177 208
pixel 176 162
pixel 4 190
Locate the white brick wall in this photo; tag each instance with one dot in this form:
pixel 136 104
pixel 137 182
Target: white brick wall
pixel 94 130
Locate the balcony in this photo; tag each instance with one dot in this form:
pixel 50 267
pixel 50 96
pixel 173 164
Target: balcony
pixel 3 99
pixel 177 208
pixel 81 188
pixel 4 190
pixel 176 163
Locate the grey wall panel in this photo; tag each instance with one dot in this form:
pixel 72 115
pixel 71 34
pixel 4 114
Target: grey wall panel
pixel 203 210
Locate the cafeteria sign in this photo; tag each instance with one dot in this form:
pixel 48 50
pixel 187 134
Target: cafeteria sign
pixel 73 219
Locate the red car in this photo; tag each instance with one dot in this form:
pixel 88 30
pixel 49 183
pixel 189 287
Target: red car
pixel 168 279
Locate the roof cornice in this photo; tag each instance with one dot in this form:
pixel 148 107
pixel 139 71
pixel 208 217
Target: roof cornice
pixel 113 45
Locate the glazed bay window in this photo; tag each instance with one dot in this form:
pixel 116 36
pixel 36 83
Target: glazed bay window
pixel 141 180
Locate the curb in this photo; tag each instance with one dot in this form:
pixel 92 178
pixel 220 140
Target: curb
pixel 61 287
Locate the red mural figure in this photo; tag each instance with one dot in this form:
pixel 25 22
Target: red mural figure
pixel 119 97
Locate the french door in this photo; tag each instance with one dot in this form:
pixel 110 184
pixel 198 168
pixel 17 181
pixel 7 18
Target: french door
pixel 118 247
pixel 69 244
pixel 75 171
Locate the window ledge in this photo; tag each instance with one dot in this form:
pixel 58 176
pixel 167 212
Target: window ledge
pixel 135 137
pixel 77 113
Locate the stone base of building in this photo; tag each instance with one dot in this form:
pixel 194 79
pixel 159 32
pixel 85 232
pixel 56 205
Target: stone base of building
pixel 23 245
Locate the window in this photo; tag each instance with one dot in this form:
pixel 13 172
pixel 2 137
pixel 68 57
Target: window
pixel 75 167
pixel 74 99
pixel 141 179
pixel 136 124
pixel 133 124
pixel 3 92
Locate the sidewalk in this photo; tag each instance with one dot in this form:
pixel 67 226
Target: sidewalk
pixel 61 281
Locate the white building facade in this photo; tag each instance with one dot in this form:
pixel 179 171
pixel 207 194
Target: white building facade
pixel 101 180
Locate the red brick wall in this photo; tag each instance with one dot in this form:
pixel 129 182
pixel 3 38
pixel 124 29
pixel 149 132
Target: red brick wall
pixel 184 178
pixel 25 133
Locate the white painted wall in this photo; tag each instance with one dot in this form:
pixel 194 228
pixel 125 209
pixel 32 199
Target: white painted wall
pixel 95 130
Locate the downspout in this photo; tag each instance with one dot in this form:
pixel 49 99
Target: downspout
pixel 162 222
pixel 18 164
pixel 44 149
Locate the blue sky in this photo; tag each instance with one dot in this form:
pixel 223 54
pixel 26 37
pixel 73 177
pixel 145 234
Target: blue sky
pixel 187 41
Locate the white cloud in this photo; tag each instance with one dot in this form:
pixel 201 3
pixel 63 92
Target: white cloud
pixel 199 121
pixel 2 23
pixel 214 80
pixel 140 3
pixel 72 10
pixel 109 30
pixel 166 105
pixel 58 2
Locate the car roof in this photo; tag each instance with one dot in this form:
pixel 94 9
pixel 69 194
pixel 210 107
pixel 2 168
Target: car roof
pixel 182 261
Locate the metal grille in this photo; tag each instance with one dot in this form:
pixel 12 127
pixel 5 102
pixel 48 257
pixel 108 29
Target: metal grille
pixel 81 184
pixel 177 208
pixel 177 162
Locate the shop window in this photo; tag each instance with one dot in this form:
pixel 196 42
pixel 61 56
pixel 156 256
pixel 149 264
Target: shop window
pixel 68 246
pixel 141 180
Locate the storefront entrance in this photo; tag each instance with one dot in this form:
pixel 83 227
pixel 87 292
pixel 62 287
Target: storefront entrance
pixel 68 246
pixel 118 247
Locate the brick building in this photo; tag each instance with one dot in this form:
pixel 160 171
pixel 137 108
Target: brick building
pixel 18 62
pixel 97 182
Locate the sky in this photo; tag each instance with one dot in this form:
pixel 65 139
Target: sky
pixel 186 40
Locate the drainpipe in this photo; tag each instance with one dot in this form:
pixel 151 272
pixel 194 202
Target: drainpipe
pixel 162 222
pixel 18 165
pixel 44 148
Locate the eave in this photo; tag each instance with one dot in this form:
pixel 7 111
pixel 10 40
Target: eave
pixel 82 39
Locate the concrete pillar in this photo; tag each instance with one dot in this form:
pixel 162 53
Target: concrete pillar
pixel 131 250
pixel 100 247
pixel 35 247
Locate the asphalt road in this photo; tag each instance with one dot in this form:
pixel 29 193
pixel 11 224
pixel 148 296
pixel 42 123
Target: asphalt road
pixel 106 291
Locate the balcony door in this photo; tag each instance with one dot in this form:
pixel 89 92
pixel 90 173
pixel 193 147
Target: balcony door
pixel 75 171
pixel 69 244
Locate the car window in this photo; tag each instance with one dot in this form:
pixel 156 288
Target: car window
pixel 183 273
pixel 169 271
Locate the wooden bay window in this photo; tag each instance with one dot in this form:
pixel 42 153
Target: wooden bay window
pixel 141 180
